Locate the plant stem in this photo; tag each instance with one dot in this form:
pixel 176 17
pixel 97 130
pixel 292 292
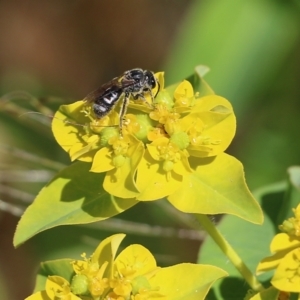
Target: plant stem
pixel 229 252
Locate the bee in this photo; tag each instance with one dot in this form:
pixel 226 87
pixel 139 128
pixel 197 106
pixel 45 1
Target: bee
pixel 133 83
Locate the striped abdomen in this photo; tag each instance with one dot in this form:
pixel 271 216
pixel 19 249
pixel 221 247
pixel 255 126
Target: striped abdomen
pixel 105 103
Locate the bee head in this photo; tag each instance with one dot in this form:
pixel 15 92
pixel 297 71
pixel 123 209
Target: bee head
pixel 150 79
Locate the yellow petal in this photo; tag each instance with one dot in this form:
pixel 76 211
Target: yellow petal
pixel 102 161
pixel 153 147
pixel 184 89
pixel 287 275
pixel 153 182
pixel 182 167
pixel 161 79
pixel 106 252
pixel 136 259
pixel 66 133
pixel 42 295
pixel 283 241
pixel 186 281
pixel 79 266
pixel 271 262
pixel 211 103
pixel 216 135
pixel 120 181
pixel 57 284
pixel 84 153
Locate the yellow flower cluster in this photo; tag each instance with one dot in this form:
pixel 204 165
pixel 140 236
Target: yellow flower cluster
pixel 129 280
pixel 126 277
pixel 286 258
pixel 133 274
pixel 162 143
pixel 292 225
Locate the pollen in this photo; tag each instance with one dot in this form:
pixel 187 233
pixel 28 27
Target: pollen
pixel 163 115
pixel 170 155
pixel 119 145
pixel 169 152
pixel 131 125
pixel 139 126
pixel 89 277
pixel 98 285
pixel 121 287
pixel 97 125
pixel 197 136
pixel 156 133
pixel 64 289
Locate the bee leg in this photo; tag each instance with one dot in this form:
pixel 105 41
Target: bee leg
pixel 123 111
pixel 137 96
pixel 141 96
pixel 151 95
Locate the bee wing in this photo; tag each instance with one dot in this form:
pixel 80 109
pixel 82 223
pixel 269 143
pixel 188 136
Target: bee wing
pixel 127 82
pixel 103 90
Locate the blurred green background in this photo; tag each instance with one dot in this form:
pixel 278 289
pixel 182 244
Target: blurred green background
pixel 58 51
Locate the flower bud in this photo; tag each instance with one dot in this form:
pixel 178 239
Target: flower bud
pixel 79 285
pixel 180 139
pixel 106 134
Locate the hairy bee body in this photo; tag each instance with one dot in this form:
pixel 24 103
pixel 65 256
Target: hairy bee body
pixel 135 83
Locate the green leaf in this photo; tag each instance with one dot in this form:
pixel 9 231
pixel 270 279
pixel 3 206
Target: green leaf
pixel 106 252
pixel 74 196
pixel 294 173
pixel 231 37
pixel 218 186
pixel 292 195
pixel 59 267
pixel 244 238
pixel 198 83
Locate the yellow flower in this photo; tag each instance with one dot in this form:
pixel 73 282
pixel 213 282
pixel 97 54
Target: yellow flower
pixel 133 274
pixel 286 257
pixel 56 288
pixel 287 274
pixel 163 141
pixel 292 225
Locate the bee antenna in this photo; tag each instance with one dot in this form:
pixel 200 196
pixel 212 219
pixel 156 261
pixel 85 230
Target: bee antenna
pixel 51 117
pixel 158 88
pixel 64 121
pixel 33 112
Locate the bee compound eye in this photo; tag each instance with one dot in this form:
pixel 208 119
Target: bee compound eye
pixel 153 82
pixel 150 79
